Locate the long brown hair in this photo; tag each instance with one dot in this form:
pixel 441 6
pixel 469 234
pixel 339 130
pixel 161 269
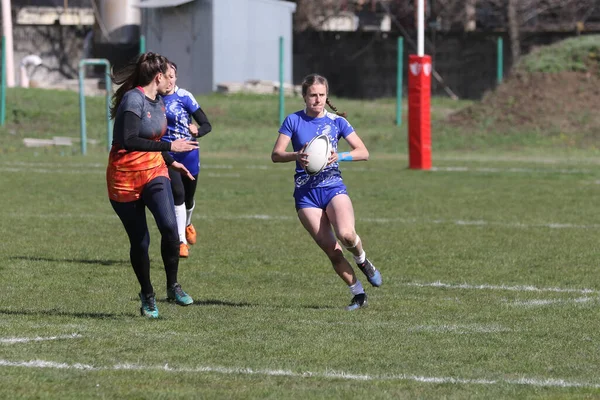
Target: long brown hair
pixel 316 79
pixel 137 73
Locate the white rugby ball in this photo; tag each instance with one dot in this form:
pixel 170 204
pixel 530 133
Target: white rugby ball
pixel 318 150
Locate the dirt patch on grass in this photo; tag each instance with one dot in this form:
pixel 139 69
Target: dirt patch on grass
pixel 560 103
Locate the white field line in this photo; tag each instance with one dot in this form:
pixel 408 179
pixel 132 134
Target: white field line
pixel 51 165
pixel 560 383
pixel 266 217
pixel 548 302
pixel 398 326
pixel 38 339
pixel 214 175
pixel 465 286
pixel 460 329
pixel 514 170
pixel 74 171
pixel 78 168
pixel 552 225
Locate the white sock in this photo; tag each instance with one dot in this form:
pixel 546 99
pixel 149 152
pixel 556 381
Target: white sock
pixel 361 258
pixel 188 215
pixel 180 217
pixel 357 288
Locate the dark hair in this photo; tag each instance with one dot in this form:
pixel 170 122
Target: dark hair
pixel 316 79
pixel 137 73
pixel 174 66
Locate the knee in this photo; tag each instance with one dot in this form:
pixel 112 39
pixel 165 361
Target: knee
pixel 178 195
pixel 140 245
pixel 348 239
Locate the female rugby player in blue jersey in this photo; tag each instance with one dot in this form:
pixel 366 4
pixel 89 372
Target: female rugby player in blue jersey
pixel 181 106
pixel 322 202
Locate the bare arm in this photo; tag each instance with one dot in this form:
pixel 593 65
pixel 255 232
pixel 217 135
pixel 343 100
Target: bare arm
pixel 358 150
pixel 281 155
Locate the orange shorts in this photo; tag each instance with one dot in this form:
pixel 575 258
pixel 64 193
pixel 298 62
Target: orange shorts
pixel 126 186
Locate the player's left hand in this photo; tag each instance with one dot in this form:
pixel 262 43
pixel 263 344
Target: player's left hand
pixel 333 157
pixel 179 167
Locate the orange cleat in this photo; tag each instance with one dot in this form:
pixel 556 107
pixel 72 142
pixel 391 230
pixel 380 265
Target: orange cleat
pixel 190 234
pixel 184 251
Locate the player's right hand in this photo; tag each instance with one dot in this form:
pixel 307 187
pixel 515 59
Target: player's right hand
pixel 181 145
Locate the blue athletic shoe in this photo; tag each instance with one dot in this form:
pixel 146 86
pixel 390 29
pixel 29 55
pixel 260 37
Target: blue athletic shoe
pixel 372 274
pixel 358 301
pixel 175 293
pixel 148 308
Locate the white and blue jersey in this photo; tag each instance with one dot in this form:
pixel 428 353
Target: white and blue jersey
pixel 301 129
pixel 179 107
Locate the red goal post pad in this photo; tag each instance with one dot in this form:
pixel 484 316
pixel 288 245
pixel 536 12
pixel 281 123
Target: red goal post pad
pixel 419 111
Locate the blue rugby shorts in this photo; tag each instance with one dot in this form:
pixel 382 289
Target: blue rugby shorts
pixel 318 197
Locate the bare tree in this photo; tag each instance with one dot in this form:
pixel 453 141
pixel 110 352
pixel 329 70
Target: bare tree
pixel 513 31
pixel 471 15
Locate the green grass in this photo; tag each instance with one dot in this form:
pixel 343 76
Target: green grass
pixel 457 250
pixel 574 54
pixel 247 124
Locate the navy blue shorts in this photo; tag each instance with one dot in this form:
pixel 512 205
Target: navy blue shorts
pixel 318 197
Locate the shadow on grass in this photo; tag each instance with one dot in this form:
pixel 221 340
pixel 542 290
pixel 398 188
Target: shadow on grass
pixel 210 302
pixel 313 307
pixel 214 302
pixel 77 261
pixel 60 313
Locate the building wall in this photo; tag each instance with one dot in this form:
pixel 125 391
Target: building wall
pixel 202 48
pixel 59 47
pixel 182 34
pixel 246 40
pixel 216 41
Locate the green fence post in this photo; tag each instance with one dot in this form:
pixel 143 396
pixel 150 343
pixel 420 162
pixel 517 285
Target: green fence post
pixel 82 64
pixel 500 60
pixel 281 97
pixel 399 74
pixel 3 84
pixel 142 44
pixel 82 130
pixel 108 87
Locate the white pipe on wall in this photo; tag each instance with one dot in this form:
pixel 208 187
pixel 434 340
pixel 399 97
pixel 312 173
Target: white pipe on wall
pixel 8 37
pixel 421 28
pixel 26 61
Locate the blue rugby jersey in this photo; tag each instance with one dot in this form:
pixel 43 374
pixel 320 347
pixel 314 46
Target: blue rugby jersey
pixel 301 129
pixel 179 107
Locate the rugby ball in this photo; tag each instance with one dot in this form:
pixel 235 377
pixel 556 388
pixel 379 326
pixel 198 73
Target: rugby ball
pixel 318 150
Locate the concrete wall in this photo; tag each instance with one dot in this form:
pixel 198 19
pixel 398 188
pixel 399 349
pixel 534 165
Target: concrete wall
pixel 60 47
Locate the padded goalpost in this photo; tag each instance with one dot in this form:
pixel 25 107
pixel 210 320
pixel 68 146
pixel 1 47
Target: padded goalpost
pixel 419 99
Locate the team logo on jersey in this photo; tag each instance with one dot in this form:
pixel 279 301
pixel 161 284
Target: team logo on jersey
pixel 149 115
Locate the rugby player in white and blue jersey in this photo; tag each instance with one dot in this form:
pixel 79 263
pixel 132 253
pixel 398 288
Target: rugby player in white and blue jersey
pixel 180 108
pixel 322 202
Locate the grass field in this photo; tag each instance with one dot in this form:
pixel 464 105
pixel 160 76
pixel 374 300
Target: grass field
pixel 489 262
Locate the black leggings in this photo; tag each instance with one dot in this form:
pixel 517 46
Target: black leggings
pixel 183 188
pixel 158 198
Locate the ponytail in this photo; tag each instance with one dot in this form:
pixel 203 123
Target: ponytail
pixel 335 110
pixel 138 72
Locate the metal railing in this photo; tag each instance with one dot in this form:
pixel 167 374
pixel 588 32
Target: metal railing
pixel 82 64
